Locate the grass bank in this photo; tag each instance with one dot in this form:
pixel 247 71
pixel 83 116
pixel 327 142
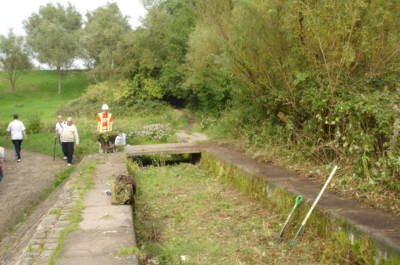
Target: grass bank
pixel 36 93
pixel 37 103
pixel 185 216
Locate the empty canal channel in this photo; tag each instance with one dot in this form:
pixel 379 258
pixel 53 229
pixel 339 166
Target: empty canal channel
pixel 190 213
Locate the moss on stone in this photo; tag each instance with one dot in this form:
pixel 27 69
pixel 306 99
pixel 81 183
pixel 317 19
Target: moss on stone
pixel 335 231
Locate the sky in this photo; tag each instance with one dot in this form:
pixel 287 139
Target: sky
pixel 14 12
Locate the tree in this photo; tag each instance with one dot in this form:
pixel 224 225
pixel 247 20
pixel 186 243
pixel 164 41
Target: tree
pixel 14 56
pixel 162 43
pixel 54 35
pixel 104 29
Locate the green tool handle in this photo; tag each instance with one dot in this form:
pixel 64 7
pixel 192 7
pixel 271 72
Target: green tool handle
pixel 299 199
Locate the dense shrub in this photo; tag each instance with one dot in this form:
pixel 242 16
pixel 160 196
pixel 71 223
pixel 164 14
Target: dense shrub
pixel 318 77
pixel 34 124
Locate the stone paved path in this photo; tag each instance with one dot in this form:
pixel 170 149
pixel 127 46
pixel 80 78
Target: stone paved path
pixel 103 231
pixel 106 228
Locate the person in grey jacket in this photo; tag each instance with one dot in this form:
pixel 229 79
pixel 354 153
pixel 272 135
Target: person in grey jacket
pixel 69 135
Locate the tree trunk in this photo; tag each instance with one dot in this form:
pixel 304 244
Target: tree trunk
pixel 59 79
pixel 11 78
pixel 14 77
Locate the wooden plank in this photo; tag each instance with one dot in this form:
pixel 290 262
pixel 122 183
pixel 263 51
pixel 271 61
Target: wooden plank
pixel 155 149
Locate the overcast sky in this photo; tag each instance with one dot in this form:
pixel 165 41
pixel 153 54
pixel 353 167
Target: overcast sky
pixel 13 12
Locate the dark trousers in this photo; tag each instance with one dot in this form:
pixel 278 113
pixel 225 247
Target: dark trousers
pixel 68 149
pixel 1 174
pixel 59 140
pixel 17 147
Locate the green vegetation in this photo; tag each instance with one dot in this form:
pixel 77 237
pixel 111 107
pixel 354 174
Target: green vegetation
pixel 36 94
pixel 103 31
pixel 311 82
pixel 129 251
pixel 14 57
pixel 54 35
pixel 314 83
pixel 184 216
pixel 36 102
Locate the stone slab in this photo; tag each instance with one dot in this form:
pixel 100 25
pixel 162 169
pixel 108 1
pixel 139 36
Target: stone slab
pixel 99 260
pixel 96 242
pixel 107 217
pixel 157 149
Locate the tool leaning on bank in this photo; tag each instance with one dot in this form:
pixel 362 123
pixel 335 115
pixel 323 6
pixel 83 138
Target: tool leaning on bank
pixel 299 199
pixel 292 242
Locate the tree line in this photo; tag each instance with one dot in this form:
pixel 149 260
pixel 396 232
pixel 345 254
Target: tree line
pixel 318 77
pixel 56 36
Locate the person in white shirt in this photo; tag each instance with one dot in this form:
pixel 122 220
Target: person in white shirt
pixel 17 129
pixel 69 135
pixel 59 128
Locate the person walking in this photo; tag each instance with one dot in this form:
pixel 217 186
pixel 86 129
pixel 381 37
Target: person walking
pixel 59 128
pixel 69 135
pixel 17 129
pixel 1 162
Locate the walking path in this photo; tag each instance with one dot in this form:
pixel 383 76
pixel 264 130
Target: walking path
pixel 23 183
pixel 105 229
pixel 84 228
pixel 22 187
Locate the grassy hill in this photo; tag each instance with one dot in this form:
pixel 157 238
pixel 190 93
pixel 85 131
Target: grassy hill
pixel 36 96
pixel 36 93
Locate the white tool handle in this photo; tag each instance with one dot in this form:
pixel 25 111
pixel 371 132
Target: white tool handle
pixel 319 195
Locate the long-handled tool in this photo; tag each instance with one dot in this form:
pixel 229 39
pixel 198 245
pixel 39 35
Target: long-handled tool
pixel 54 149
pixel 291 243
pixel 299 199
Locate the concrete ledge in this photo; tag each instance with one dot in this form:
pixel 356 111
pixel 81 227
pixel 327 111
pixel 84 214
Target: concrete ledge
pixel 177 149
pixel 346 215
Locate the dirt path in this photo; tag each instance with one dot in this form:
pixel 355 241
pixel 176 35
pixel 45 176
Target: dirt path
pixel 24 182
pixel 187 136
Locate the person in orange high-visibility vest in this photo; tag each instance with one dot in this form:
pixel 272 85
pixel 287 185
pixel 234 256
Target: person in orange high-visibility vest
pixel 104 120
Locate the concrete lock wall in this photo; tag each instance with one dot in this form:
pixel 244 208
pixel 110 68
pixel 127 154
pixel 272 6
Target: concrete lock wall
pixel 276 191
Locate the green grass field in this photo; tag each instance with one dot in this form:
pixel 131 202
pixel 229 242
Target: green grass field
pixel 36 93
pixel 184 216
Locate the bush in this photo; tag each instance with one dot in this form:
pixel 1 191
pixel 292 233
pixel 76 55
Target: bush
pixel 34 124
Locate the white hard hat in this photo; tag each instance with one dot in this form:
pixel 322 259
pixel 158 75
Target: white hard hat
pixel 104 107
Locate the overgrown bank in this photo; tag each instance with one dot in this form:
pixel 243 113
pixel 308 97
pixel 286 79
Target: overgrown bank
pixel 185 216
pixel 314 81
